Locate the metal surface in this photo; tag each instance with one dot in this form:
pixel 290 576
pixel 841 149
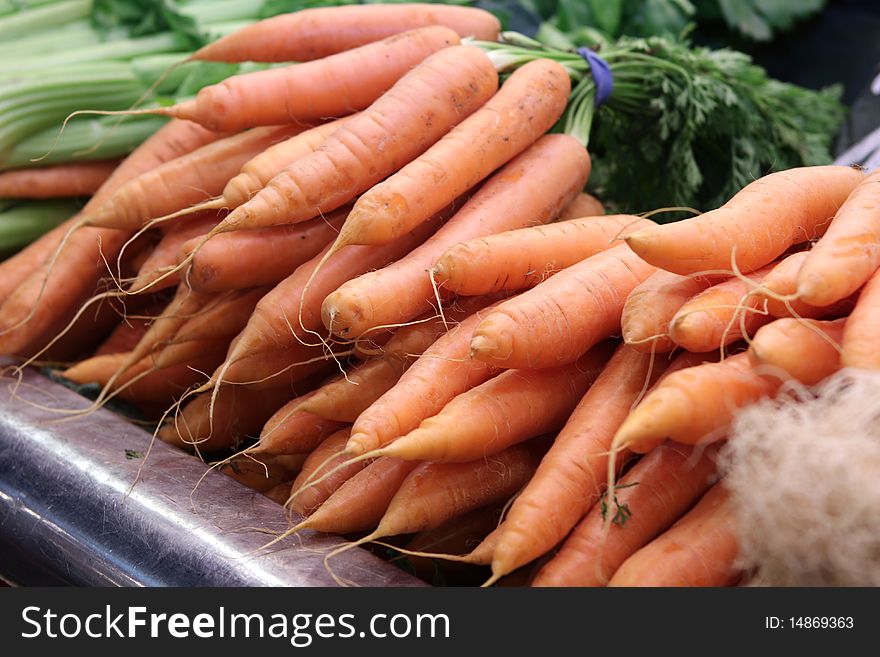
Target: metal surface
pixel 69 513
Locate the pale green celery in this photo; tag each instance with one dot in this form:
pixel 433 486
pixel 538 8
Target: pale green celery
pixel 35 95
pixel 83 139
pixel 14 6
pixel 125 49
pixel 31 21
pixel 23 223
pixel 223 10
pixel 20 125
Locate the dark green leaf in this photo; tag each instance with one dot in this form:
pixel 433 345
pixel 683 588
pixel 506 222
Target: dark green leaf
pixel 144 17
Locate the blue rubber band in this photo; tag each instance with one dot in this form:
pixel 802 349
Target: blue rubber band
pixel 601 74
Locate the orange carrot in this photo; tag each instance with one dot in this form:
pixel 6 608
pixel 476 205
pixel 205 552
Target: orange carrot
pixel 526 106
pixel 508 409
pixel 225 318
pixel 419 109
pixel 319 461
pixel 583 205
pixel 288 313
pixel 318 32
pixel 347 396
pixel 359 504
pixel 335 85
pixel 849 252
pixel 290 431
pixel 289 366
pixel 860 338
pixel 571 475
pixel 650 307
pixel 164 256
pixel 261 474
pixel 441 373
pixel 693 405
pixel 434 493
pixel 126 334
pixel 74 179
pixel 555 322
pixel 655 493
pixel 753 228
pixel 806 350
pixel 186 180
pixel 238 413
pixel 719 314
pixel 782 281
pixel 45 293
pixel 519 259
pixel 556 167
pixel 698 550
pixel 262 256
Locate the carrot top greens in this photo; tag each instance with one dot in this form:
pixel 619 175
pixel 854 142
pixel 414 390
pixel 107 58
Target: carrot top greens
pixel 683 126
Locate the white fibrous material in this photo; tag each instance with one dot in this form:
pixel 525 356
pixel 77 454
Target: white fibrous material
pixel 804 473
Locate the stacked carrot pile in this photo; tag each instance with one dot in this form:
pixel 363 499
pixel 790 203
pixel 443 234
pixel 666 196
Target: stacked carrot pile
pixel 413 308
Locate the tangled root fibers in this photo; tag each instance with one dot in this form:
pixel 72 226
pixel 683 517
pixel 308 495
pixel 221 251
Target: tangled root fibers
pixel 804 473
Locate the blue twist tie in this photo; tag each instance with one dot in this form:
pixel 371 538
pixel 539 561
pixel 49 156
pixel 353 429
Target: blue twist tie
pixel 601 74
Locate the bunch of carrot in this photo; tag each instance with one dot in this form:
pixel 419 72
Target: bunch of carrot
pixel 414 308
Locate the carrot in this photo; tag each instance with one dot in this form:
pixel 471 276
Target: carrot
pixel 289 366
pixel 570 477
pixel 164 256
pixel 655 493
pixel 336 85
pixel 290 431
pixel 287 314
pixel 182 307
pixel 72 271
pixel 520 259
pixel 650 307
pixel 434 493
pixel 806 350
pixel 185 180
pixel 508 409
pixel 782 282
pixel 359 503
pixel 225 318
pixel 860 336
pixel 262 474
pixel 583 205
pixel 74 179
pixel 400 125
pixel 557 166
pixel 318 32
pixel 441 373
pixel 319 461
pixel 260 169
pixel 97 369
pixel 347 396
pixel 459 536
pixel 555 322
pixel 526 106
pixel 262 256
pixel 849 252
pixel 698 550
pixel 753 228
pixel 720 314
pixel 692 405
pixel 238 413
pixel 144 383
pixel 126 334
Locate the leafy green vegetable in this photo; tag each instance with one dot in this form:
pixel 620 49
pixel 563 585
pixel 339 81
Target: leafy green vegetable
pixel 143 17
pixel 685 126
pixel 759 19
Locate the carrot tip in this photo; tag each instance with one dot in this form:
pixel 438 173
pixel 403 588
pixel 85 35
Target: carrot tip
pixel 483 345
